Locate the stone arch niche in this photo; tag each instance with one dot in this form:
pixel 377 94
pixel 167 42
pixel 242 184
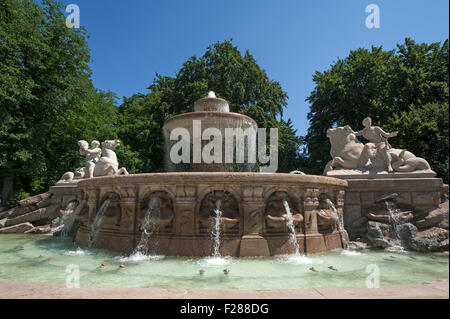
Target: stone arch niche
pixel 112 215
pixel 275 215
pixel 158 206
pixel 71 207
pixel 73 202
pixel 327 219
pixel 230 220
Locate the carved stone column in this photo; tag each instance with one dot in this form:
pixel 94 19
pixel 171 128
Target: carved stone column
pixel 252 242
pixel 340 196
pixel 314 241
pixel 184 221
pixel 310 208
pixel 92 195
pixel 127 207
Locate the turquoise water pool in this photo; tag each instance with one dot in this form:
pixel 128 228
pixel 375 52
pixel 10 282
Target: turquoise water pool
pixel 45 259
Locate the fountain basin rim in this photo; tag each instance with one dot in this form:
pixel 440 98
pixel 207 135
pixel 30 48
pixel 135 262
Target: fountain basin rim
pixel 200 114
pixel 213 177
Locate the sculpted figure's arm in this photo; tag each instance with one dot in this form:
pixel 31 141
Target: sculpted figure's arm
pixel 94 152
pixel 348 128
pixel 386 134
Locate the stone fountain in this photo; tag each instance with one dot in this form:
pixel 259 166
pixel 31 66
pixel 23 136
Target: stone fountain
pixel 253 217
pixel 212 208
pixel 393 197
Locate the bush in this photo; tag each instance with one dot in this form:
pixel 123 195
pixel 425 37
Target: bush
pixel 16 197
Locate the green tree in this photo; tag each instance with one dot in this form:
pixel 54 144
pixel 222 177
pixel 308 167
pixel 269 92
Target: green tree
pixel 403 90
pixel 223 69
pixel 47 100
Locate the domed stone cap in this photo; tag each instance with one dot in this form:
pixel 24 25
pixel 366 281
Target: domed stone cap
pixel 211 103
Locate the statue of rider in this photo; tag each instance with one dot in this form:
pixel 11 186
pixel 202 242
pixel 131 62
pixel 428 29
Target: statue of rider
pixel 376 135
pixel 92 154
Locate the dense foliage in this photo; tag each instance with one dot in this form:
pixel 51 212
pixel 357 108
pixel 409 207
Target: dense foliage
pixel 47 100
pixel 403 90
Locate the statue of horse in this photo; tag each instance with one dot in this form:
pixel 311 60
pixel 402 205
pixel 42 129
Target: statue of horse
pixel 108 165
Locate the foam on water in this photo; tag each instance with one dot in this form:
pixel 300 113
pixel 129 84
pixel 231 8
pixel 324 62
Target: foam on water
pixel 214 261
pixel 138 257
pixel 348 252
pixel 396 249
pixel 299 260
pixel 78 252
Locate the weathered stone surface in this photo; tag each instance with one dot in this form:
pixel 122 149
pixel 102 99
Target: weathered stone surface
pixel 431 240
pixel 39 230
pixel 35 199
pixel 20 228
pixel 376 233
pixel 378 174
pixel 371 190
pixel 355 233
pixel 351 212
pixel 441 233
pixel 437 217
pixel 250 190
pixel 356 245
pixel 56 222
pixel 426 198
pixel 444 191
pixel 3 214
pixel 367 198
pixel 3 222
pixel 28 205
pixel 444 245
pixel 28 217
pixel 359 222
pixel 352 198
pixel 50 212
pixel 16 211
pixel 42 214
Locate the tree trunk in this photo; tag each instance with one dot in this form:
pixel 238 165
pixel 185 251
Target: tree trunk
pixel 7 189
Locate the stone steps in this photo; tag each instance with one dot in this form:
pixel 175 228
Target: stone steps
pixel 35 211
pixel 19 228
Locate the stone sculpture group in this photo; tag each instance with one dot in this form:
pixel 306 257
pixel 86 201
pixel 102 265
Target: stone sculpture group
pixel 99 162
pixel 377 155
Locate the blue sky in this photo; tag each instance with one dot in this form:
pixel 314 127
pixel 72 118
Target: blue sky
pixel 132 40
